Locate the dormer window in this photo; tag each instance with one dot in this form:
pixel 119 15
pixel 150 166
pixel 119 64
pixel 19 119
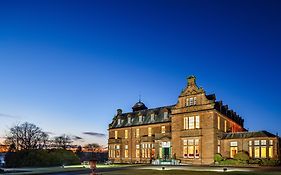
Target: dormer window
pixel 152 117
pixel 129 120
pixel 140 118
pixel 119 121
pixel 165 115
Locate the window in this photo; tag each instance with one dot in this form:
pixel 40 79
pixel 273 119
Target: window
pixel 186 102
pixel 219 146
pixel 126 151
pixel 191 123
pixel 185 123
pixel 116 134
pixel 270 149
pixel 137 151
pixel 225 126
pixel 137 132
pixel 263 151
pixel 152 117
pixel 117 150
pixel 190 101
pixel 257 152
pixel 250 149
pixel 195 100
pixel 119 121
pixel 233 149
pixel 185 148
pixel 126 134
pixel 191 148
pixel 149 132
pixel 263 148
pixel 257 149
pixel 219 122
pixel 163 129
pixel 129 120
pixel 140 119
pixel 197 122
pixel 165 115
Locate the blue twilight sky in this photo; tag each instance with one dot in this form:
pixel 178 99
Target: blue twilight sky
pixel 68 65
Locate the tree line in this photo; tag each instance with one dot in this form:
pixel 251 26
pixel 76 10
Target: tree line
pixel 30 146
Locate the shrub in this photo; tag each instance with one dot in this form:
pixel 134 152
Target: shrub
pixel 255 161
pixel 231 162
pixel 218 157
pixel 242 156
pixel 40 158
pixel 269 162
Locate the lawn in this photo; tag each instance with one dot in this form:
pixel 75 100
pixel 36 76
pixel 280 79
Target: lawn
pixel 184 172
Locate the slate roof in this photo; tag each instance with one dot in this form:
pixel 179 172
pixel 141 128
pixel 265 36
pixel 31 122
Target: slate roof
pixel 229 113
pixel 241 135
pixel 146 117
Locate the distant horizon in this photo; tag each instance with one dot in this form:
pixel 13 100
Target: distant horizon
pixel 66 66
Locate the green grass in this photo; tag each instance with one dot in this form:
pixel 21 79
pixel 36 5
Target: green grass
pixel 184 172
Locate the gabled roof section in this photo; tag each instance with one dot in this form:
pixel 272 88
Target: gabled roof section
pixel 133 118
pixel 191 87
pixel 241 135
pixel 223 109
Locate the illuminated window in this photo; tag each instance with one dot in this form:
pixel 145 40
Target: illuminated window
pixel 270 151
pixel 197 122
pixel 126 134
pixel 163 129
pixel 225 126
pixel 219 122
pixel 233 149
pixel 250 149
pixel 116 134
pixel 117 150
pixel 270 142
pixel 196 148
pixel 185 148
pixel 191 148
pixel 126 151
pixel 263 151
pixel 191 123
pixel 149 131
pixel 185 123
pixel 137 132
pixel 257 152
pixel 137 151
pixel 160 152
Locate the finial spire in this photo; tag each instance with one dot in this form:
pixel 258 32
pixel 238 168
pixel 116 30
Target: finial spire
pixel 139 97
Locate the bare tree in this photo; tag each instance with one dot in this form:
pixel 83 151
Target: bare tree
pixel 93 146
pixel 26 136
pixel 62 141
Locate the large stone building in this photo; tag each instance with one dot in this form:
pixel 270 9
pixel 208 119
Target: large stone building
pixel 192 131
